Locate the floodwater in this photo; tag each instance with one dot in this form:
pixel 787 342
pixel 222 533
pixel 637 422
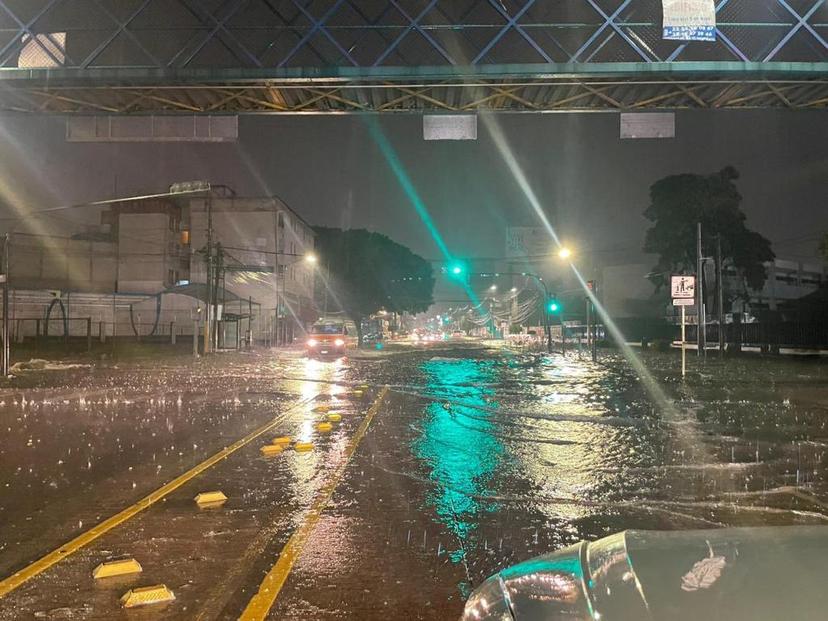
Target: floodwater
pixel 475 459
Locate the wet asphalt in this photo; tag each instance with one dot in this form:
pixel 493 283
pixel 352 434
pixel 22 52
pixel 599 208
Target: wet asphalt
pixel 476 458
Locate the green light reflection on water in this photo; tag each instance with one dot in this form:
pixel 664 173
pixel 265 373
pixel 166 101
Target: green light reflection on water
pixel 461 453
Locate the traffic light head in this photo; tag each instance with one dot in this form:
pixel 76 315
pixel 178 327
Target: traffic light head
pixel 553 306
pixel 456 270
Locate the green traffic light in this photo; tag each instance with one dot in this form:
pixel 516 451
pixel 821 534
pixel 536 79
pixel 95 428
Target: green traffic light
pixel 554 307
pixel 456 269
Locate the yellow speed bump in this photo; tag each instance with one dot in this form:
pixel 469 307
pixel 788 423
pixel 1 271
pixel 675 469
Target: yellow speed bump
pixel 210 499
pixel 282 441
pixel 110 569
pixel 271 449
pixel 324 427
pixel 334 417
pixel 144 596
pixel 321 408
pixel 303 447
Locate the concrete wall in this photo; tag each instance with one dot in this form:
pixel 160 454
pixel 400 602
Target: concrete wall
pixel 63 264
pixel 109 314
pixel 144 249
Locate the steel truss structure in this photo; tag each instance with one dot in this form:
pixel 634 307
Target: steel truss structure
pixel 299 56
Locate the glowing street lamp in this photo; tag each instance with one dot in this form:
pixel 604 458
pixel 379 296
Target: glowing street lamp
pixel 564 252
pixel 311 258
pixel 493 288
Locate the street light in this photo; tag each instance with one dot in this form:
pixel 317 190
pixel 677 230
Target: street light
pixel 493 288
pixel 311 258
pixel 564 253
pixel 513 289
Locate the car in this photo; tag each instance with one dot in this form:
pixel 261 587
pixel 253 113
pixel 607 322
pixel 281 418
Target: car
pixel 330 338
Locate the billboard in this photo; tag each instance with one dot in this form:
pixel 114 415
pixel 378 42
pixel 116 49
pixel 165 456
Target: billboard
pixel 689 20
pixel 527 241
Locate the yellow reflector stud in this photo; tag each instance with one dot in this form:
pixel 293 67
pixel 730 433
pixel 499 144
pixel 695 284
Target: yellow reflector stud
pixel 121 567
pixel 144 596
pixel 321 408
pixel 356 393
pixel 303 447
pixel 324 427
pixel 271 449
pixel 210 499
pixel 362 387
pixel 282 441
pixel 334 418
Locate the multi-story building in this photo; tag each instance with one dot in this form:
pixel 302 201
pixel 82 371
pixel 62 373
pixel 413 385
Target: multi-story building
pixel 147 250
pixel 786 281
pixel 263 244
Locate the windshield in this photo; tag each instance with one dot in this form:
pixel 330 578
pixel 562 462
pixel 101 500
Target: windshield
pixel 404 309
pixel 327 329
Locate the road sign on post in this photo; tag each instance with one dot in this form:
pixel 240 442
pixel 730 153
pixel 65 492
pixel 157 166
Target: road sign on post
pixel 683 290
pixel 683 286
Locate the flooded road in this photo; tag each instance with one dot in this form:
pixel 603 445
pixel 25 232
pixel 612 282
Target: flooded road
pixel 472 460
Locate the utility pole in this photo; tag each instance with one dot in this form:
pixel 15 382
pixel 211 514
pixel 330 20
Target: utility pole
pixel 700 319
pixel 217 269
pixel 208 319
pixel 594 322
pixel 6 272
pixel 719 294
pixel 588 323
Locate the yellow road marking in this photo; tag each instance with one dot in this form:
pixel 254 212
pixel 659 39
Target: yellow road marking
pixel 55 556
pixel 260 604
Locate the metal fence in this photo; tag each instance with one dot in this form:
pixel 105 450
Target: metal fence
pixel 768 335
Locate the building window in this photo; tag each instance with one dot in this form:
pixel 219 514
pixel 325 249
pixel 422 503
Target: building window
pixel 280 220
pixel 185 237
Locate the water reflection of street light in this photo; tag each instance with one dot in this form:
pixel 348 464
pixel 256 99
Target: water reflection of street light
pixel 493 288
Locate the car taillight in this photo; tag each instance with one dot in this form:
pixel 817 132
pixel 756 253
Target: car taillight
pixel 339 342
pixel 312 343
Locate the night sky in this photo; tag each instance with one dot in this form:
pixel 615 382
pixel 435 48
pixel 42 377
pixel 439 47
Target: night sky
pixel 330 170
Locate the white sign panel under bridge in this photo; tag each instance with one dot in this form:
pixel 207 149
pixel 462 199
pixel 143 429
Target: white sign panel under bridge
pixel 527 241
pixel 683 286
pixel 689 20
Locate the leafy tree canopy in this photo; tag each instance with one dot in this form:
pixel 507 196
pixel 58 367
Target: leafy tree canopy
pixel 367 272
pixel 679 202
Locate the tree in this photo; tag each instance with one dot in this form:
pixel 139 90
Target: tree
pixel 367 272
pixel 678 203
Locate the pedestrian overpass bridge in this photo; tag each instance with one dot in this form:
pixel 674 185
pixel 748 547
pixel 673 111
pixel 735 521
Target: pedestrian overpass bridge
pixel 310 56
